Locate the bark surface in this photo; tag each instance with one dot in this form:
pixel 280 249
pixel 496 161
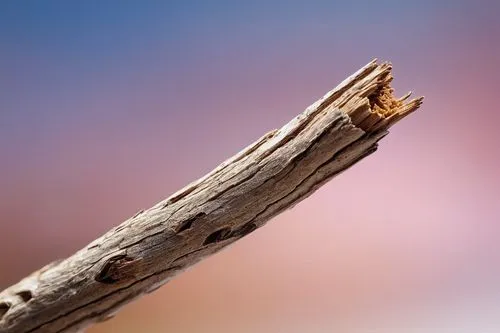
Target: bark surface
pixel 273 174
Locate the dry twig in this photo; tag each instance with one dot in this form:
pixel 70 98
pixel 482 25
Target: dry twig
pixel 239 196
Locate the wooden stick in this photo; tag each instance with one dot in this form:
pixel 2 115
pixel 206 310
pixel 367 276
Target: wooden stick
pixel 240 195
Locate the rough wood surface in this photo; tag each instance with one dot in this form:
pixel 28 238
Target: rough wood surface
pixel 239 196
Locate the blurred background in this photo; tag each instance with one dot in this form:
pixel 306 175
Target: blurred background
pixel 107 107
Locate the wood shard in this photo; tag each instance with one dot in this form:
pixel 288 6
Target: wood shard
pixel 238 197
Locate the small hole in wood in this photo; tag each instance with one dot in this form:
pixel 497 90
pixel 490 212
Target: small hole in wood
pixel 26 295
pixel 4 307
pixel 217 236
pixel 117 268
pixel 187 224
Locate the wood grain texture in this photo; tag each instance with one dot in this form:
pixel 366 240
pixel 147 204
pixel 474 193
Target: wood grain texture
pixel 240 195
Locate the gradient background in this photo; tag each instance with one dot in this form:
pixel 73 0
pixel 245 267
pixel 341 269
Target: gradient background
pixel 107 107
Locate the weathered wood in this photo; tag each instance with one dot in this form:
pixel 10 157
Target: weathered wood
pixel 241 195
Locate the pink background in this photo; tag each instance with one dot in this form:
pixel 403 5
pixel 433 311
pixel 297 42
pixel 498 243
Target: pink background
pixel 108 107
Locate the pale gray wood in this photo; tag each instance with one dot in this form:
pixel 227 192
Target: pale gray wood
pixel 239 196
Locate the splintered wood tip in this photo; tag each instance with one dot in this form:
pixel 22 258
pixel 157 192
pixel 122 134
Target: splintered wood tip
pixel 371 103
